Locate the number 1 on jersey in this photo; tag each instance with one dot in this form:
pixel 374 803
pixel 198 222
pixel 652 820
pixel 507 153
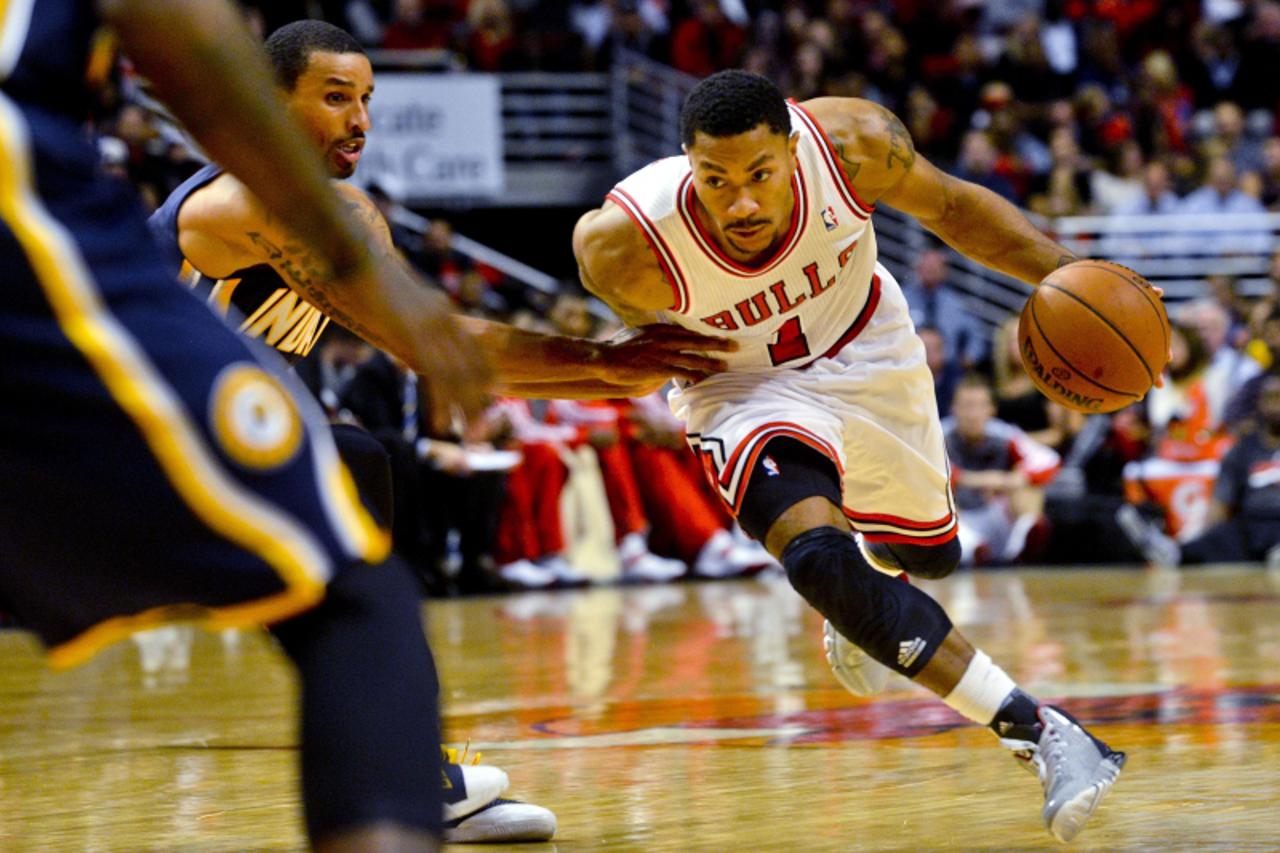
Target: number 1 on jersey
pixel 790 343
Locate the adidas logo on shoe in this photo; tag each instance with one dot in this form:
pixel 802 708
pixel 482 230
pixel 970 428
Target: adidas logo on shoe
pixel 909 650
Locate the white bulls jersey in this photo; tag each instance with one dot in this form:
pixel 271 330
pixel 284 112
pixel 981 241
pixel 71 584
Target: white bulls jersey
pixel 814 295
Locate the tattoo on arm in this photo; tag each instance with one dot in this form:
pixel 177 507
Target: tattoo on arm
pixel 310 276
pixel 850 165
pixel 901 148
pixel 366 214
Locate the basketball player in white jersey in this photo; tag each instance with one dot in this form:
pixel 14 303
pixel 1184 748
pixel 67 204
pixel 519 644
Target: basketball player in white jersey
pixel 826 418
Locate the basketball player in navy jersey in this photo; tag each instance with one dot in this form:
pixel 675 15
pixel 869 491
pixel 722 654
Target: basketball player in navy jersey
pixel 246 263
pixel 153 463
pixel 826 418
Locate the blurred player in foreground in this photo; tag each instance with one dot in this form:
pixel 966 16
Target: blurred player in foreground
pixel 154 463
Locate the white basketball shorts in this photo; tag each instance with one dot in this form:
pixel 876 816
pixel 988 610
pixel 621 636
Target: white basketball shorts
pixel 870 408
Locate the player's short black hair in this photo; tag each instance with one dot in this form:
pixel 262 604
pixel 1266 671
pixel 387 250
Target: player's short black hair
pixel 731 102
pixel 290 47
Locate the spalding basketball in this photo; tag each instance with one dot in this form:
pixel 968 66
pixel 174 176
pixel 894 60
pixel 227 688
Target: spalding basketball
pixel 1094 336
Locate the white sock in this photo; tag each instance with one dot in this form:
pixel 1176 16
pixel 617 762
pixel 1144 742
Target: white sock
pixel 981 690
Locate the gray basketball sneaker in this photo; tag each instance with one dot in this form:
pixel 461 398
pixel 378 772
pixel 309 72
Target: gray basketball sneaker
pixel 861 674
pixel 1076 769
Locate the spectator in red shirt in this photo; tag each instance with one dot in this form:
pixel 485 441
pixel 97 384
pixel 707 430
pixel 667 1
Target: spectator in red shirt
pixel 707 41
pixel 422 24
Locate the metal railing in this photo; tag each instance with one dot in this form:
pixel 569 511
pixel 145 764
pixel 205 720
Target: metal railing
pixel 990 296
pixel 647 97
pixel 1175 252
pixel 1179 251
pixel 557 138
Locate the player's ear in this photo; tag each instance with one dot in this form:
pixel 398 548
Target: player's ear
pixel 793 143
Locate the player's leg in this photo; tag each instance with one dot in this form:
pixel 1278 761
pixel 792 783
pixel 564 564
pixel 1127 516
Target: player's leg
pixel 922 561
pixel 794 511
pixel 370 465
pixel 198 486
pixel 473 811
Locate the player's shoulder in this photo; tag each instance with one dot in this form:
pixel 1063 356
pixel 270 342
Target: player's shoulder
pixel 608 234
pixel 220 204
pixel 849 119
pixel 871 141
pixel 616 263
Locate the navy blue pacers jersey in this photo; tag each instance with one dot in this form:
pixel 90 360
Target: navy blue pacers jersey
pixel 154 464
pixel 256 299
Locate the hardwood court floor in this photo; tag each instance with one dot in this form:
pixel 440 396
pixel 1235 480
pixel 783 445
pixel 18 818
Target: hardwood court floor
pixel 697 717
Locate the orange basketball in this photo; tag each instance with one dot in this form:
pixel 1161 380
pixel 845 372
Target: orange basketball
pixel 1094 336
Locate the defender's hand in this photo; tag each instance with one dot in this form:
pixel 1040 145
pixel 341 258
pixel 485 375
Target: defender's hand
pixel 656 353
pixel 458 386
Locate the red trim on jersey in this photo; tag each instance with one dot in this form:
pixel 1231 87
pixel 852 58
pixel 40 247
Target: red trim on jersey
pixel 856 205
pixel 773 429
pixel 899 521
pixel 687 203
pixel 666 259
pixel 900 539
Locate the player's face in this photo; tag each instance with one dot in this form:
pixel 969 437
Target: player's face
pixel 743 182
pixel 331 99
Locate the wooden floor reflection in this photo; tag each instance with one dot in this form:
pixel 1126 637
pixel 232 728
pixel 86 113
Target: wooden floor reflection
pixel 696 717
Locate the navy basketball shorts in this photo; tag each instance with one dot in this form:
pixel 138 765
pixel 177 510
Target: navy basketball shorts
pixel 154 465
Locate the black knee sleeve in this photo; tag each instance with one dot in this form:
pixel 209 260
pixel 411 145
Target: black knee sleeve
pixel 921 561
pixel 370 719
pixel 787 472
pixel 370 467
pixel 892 621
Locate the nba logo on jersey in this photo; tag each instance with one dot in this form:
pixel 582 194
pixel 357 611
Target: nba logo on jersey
pixel 771 467
pixel 829 218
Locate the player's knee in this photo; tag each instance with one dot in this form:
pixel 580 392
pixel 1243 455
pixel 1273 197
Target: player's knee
pixel 370 467
pixel 922 561
pixel 893 622
pixel 374 596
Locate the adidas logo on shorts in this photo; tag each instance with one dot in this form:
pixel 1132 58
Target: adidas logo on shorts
pixel 909 650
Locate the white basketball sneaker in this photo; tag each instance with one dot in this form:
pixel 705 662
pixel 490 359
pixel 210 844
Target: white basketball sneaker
pixel 502 821
pixel 475 813
pixel 861 674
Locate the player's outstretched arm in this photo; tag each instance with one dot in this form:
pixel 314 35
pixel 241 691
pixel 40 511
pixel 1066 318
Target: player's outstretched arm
pixel 205 66
pixel 229 229
pixel 632 364
pixel 879 157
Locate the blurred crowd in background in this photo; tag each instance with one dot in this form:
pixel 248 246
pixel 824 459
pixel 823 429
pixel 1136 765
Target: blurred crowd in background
pixel 1065 107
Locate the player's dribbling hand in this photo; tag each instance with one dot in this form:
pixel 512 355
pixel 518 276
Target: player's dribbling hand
pixel 656 353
